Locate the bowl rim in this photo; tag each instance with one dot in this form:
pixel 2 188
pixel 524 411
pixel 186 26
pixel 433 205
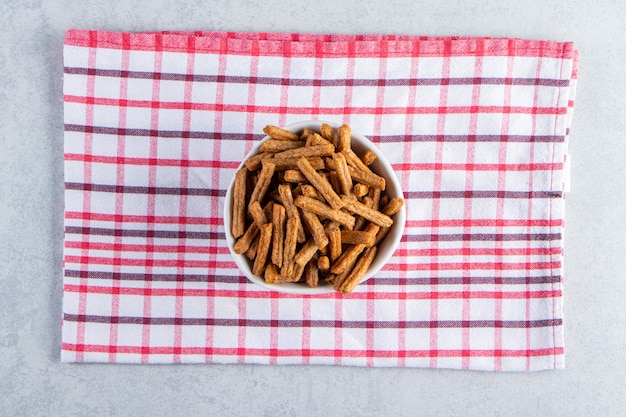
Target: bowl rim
pixel 392 240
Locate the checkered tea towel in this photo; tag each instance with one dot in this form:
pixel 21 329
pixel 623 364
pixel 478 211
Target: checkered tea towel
pixel 475 128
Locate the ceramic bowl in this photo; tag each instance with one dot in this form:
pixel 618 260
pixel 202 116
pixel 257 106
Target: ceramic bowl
pixel 386 248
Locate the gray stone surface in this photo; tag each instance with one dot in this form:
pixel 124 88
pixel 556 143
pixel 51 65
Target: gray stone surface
pixel 33 382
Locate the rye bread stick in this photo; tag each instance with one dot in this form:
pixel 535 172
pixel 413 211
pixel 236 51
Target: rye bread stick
pixel 306 252
pixel 244 242
pixel 265 238
pixel 320 184
pixel 311 274
pixel 265 177
pixel 296 275
pixel 289 247
pixel 338 279
pixel 268 210
pixel 334 241
pixel 273 276
pixel 291 210
pixel 372 215
pixel 309 191
pixel 325 211
pixel 360 190
pixel 362 221
pixel 368 157
pixel 313 224
pixel 374 194
pixel 279 133
pixel 348 257
pixel 344 135
pixel 257 213
pixel 251 252
pixel 239 203
pixel 323 264
pixel 316 139
pixel 307 151
pixel 305 133
pixel 359 271
pixel 275 145
pixel 327 132
pixel 356 237
pixel 343 174
pixel 294 176
pixel 254 162
pixel 354 161
pixel 391 208
pixel 367 178
pixel 278 234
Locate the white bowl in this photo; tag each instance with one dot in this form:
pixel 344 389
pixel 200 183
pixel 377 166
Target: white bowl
pixel 385 249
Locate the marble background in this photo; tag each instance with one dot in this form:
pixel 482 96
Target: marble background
pixel 33 382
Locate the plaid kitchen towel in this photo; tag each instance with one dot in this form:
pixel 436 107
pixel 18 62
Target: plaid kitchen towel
pixel 475 128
